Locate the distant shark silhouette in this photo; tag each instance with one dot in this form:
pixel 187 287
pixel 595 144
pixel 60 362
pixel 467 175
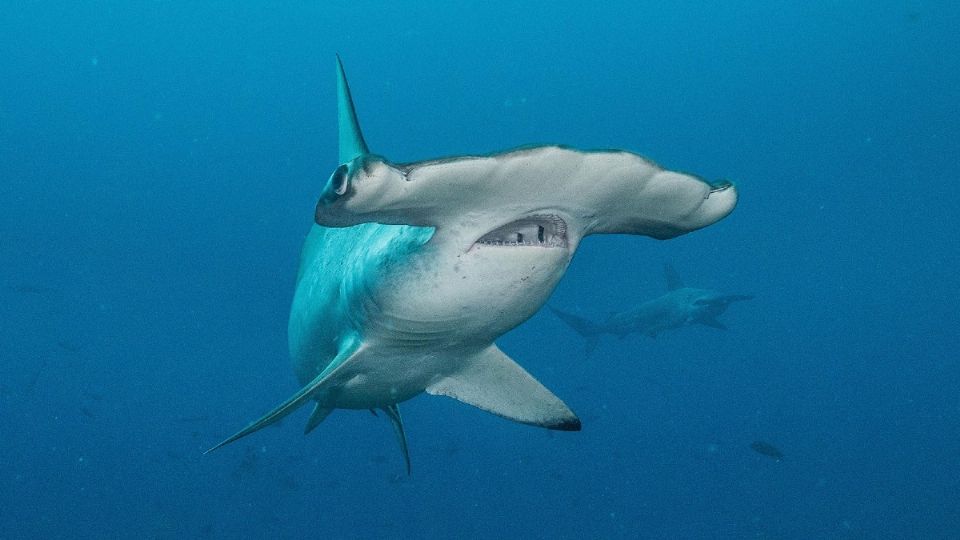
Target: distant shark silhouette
pixel 680 306
pixel 413 270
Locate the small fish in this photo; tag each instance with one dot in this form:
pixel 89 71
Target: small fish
pixel 289 483
pixel 27 288
pixel 68 346
pixel 36 375
pixel 766 449
pixel 193 419
pixel 95 396
pixel 173 456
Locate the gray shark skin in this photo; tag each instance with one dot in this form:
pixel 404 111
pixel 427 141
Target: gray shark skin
pixel 680 306
pixel 412 270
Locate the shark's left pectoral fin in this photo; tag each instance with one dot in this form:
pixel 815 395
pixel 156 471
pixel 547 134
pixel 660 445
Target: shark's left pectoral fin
pixel 493 382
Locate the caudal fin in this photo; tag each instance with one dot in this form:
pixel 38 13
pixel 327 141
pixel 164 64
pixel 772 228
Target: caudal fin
pixel 588 329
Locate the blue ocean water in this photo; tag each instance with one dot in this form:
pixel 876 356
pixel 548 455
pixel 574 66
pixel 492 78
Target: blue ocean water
pixel 159 165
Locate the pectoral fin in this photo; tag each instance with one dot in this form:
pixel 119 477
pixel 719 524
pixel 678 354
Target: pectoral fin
pixel 493 382
pixel 295 401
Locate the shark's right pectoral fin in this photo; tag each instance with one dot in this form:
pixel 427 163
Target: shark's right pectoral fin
pixel 291 404
pixel 300 398
pixel 493 382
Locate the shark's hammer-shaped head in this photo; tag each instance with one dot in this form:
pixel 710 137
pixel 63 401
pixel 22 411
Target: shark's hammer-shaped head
pixel 507 224
pixel 548 196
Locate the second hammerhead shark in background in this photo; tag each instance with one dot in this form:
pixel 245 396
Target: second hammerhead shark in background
pixel 680 306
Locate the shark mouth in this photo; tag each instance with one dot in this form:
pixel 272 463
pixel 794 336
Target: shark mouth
pixel 547 231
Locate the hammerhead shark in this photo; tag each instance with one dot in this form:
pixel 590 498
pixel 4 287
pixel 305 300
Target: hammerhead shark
pixel 412 270
pixel 680 306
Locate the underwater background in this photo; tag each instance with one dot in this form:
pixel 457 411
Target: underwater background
pixel 159 166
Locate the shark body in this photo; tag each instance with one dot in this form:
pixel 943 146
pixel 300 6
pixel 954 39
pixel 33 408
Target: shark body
pixel 679 306
pixel 412 271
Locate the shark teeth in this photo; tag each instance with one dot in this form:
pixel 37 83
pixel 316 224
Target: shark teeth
pixel 546 230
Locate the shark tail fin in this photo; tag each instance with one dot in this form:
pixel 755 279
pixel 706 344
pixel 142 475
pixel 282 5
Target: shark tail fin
pixel 493 382
pixel 351 139
pixel 393 412
pixel 585 327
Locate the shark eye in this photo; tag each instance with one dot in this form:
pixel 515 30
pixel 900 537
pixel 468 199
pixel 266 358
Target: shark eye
pixel 338 180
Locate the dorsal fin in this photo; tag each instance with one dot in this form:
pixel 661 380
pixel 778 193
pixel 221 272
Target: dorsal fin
pixel 673 278
pixel 351 138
